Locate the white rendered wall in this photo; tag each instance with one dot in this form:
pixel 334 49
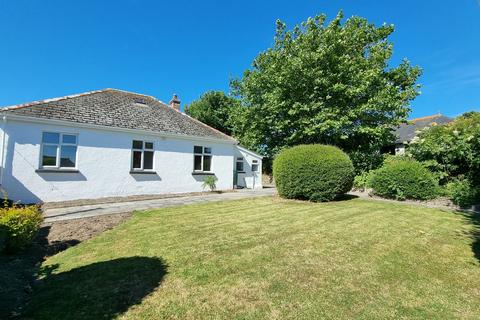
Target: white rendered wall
pixel 104 164
pixel 249 179
pixel 399 149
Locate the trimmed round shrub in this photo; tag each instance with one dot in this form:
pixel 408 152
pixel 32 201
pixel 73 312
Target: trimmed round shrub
pixel 404 179
pixel 313 172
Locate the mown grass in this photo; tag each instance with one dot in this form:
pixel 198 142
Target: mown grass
pixel 268 258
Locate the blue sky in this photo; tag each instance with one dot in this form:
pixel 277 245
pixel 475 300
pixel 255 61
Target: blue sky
pixel 56 48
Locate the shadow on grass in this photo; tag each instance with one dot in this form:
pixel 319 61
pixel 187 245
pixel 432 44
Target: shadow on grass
pixel 474 219
pixel 338 198
pixel 102 290
pixel 18 272
pixel 345 197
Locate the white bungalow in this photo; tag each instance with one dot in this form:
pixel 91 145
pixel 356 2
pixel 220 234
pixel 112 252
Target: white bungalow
pixel 112 143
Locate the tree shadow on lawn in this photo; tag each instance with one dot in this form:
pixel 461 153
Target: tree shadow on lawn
pixel 102 290
pixel 474 219
pixel 18 271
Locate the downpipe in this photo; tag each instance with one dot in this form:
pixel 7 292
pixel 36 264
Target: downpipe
pixel 2 163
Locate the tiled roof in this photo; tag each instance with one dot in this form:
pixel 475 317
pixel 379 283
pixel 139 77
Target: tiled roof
pixel 117 108
pixel 407 131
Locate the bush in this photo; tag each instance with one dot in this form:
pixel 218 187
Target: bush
pixel 19 226
pixel 463 192
pixel 210 182
pixel 451 151
pixel 313 172
pixel 3 238
pixel 363 181
pixel 389 158
pixel 366 160
pixel 404 179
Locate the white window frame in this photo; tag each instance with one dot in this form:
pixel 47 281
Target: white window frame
pixel 255 163
pixel 142 158
pixel 240 159
pixel 59 150
pixel 202 155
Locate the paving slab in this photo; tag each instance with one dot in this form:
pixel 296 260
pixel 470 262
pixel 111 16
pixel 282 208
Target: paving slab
pixel 91 210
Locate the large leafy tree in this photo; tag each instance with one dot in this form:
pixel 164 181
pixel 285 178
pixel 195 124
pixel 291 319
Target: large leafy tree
pixel 215 109
pixel 325 83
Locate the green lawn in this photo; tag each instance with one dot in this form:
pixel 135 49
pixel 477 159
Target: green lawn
pixel 268 258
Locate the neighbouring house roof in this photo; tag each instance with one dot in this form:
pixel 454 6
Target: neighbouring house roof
pixel 407 131
pixel 120 109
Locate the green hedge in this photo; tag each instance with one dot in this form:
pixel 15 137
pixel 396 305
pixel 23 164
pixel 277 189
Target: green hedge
pixel 313 172
pixel 463 192
pixel 18 227
pixel 404 179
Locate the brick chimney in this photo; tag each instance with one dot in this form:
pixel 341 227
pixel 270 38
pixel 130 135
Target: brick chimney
pixel 175 102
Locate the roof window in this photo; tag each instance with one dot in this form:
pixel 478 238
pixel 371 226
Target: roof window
pixel 140 101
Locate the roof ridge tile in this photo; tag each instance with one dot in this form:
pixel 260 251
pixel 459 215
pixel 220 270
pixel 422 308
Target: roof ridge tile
pixel 36 102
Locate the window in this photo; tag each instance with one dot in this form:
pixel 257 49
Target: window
pixel 202 158
pixel 142 155
pixel 255 165
pixel 239 166
pixel 140 101
pixel 59 150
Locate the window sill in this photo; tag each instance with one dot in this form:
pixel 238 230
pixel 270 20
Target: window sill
pixel 142 172
pixel 200 173
pixel 53 170
pixel 241 172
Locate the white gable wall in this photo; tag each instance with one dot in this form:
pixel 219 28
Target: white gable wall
pixel 249 179
pixel 104 164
